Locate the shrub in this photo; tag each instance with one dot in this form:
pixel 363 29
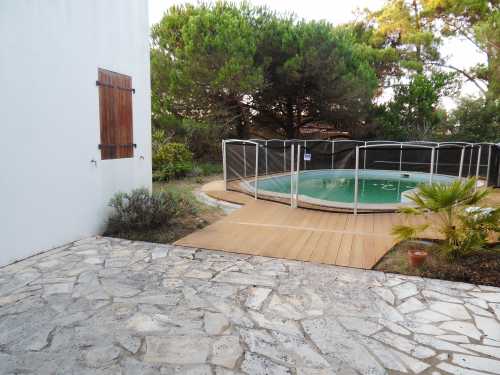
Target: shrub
pixel 454 214
pixel 140 209
pixel 171 160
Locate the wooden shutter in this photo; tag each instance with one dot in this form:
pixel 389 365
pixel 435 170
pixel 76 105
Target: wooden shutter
pixel 115 108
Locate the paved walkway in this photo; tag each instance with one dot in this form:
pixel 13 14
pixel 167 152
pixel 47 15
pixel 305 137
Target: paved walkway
pixel 107 306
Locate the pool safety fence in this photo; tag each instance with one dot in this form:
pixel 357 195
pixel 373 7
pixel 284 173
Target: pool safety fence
pixel 284 170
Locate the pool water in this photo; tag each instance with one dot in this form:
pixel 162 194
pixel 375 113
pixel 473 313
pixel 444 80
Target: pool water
pixel 377 187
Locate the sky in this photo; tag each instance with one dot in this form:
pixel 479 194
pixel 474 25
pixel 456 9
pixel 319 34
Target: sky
pixel 457 52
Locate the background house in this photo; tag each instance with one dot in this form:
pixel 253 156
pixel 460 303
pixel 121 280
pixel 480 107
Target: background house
pixel 74 75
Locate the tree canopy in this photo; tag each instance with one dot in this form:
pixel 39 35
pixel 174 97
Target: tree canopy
pixel 225 70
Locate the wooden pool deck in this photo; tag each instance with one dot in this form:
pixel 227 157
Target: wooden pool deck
pixel 272 229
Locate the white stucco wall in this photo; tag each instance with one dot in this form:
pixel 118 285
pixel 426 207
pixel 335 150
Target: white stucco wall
pixel 50 192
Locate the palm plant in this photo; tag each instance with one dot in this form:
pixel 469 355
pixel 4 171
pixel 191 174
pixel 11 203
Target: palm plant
pixel 451 210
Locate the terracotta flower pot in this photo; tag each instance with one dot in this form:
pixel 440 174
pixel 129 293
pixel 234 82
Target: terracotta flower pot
pixel 417 257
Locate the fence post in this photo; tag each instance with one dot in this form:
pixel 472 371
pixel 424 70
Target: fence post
pixel 292 157
pixel 488 167
pixel 224 167
pixel 244 159
pixel 432 165
pixel 437 158
pixel 266 159
pixel 256 169
pixel 356 177
pixel 364 157
pixel 305 150
pixel 333 151
pixel 470 159
pixel 297 177
pixel 400 155
pixel 462 154
pixel 478 161
pixel 284 156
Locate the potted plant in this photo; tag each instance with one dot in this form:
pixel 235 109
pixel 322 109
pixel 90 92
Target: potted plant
pixel 455 213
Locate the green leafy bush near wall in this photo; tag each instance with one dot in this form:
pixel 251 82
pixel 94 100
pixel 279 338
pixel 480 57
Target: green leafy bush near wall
pixel 142 210
pixel 171 160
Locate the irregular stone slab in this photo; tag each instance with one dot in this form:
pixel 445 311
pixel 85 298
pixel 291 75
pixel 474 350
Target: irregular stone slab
pixel 491 342
pixel 489 326
pixel 478 311
pixel 426 329
pixel 129 342
pixel 404 344
pixel 159 252
pixel 411 305
pixel 283 309
pixel 455 338
pixel 413 364
pixel 388 312
pixel 405 290
pixel 488 297
pixel 261 342
pixel 478 302
pixel 464 328
pixel 394 327
pixel 226 351
pixel 363 326
pixel 256 364
pixel 385 356
pixel 385 294
pixel 144 323
pixel 430 294
pixel 477 363
pixel 492 351
pixel 256 297
pixel 64 288
pixel 429 316
pixel 454 310
pixel 215 323
pixel 187 370
pixel 198 274
pixel 181 350
pixel 244 279
pixel 153 299
pixel 496 309
pixel 440 344
pixel 233 313
pixel 280 325
pixel 455 370
pixel 335 341
pixel 303 353
pixel 115 289
pixel 101 356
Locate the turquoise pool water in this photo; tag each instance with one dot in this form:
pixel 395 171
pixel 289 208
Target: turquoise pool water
pixel 377 187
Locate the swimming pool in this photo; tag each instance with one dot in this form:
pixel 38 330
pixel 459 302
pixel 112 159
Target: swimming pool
pixel 377 189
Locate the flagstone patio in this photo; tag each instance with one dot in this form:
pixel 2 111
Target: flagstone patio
pixel 109 306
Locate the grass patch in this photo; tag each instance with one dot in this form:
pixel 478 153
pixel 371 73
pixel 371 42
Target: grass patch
pixel 191 215
pixel 481 267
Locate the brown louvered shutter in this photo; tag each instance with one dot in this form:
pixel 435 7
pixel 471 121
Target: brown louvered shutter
pixel 115 108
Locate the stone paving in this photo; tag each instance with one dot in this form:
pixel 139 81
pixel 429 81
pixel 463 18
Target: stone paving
pixel 109 306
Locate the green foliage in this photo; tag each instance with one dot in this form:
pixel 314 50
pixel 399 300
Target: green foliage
pixel 450 209
pixel 477 21
pixel 414 111
pixel 140 209
pixel 170 160
pixel 241 66
pixel 314 72
pixel 474 120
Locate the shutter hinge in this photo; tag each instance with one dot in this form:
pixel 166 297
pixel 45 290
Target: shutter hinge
pixel 101 146
pixel 99 83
